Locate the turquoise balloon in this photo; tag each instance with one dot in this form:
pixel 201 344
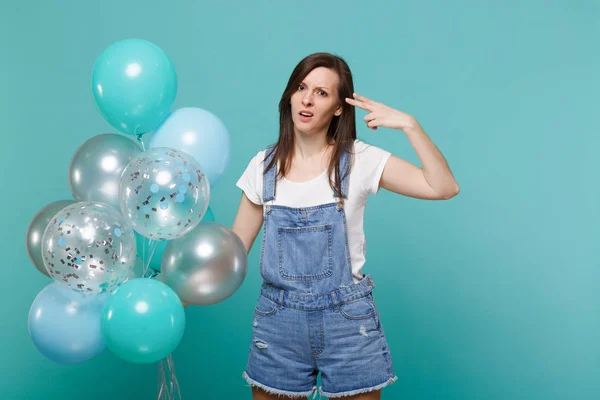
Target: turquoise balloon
pixel 143 321
pixel 134 85
pixel 162 245
pixel 199 133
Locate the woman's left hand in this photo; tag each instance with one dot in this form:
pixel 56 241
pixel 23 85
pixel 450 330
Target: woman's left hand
pixel 382 115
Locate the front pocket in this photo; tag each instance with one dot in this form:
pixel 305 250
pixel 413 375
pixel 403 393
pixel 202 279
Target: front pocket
pixel 265 306
pixel 362 308
pixel 305 252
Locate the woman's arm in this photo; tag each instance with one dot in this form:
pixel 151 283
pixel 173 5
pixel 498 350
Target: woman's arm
pixel 248 220
pixel 434 181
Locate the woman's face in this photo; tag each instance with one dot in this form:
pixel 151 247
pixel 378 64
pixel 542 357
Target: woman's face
pixel 315 101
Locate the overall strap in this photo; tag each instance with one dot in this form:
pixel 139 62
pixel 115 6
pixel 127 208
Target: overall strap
pixel 345 174
pixel 269 177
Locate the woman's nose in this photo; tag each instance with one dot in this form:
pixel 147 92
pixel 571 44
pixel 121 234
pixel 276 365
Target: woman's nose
pixel 307 100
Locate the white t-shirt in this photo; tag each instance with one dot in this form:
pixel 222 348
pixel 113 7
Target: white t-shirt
pixel 366 171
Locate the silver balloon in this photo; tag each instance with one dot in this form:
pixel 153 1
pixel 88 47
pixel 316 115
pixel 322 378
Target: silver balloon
pixel 205 266
pixel 88 247
pixel 164 193
pixel 97 166
pixel 35 231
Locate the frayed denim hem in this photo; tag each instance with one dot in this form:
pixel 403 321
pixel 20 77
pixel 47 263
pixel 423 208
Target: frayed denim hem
pixel 279 392
pixel 358 391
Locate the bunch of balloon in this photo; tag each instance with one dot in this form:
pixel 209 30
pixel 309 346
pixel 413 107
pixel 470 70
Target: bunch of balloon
pixel 136 215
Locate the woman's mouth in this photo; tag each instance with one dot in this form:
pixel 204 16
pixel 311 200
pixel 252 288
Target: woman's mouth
pixel 305 116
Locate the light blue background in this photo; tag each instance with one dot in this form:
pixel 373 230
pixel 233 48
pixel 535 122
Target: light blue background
pixel 491 295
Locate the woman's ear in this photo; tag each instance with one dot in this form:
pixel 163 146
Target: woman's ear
pixel 338 112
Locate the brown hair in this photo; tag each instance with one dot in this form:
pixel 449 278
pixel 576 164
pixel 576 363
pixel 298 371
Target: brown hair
pixel 342 129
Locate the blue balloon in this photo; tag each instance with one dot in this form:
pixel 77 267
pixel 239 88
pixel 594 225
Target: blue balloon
pixel 199 133
pixel 65 325
pixel 161 245
pixel 143 321
pixel 134 85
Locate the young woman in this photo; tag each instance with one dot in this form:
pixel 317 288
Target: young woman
pixel 316 311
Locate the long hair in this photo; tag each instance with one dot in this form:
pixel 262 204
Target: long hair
pixel 342 129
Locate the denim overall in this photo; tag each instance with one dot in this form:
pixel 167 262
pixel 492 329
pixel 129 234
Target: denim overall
pixel 311 317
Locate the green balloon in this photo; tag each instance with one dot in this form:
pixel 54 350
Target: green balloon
pixel 143 321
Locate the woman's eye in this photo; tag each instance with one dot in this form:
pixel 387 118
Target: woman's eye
pixel 322 93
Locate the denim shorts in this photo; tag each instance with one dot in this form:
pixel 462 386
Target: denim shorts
pixel 293 342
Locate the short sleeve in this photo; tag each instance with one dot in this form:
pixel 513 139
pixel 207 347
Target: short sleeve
pixel 251 180
pixel 370 161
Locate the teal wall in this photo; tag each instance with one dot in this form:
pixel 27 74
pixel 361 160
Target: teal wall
pixel 491 295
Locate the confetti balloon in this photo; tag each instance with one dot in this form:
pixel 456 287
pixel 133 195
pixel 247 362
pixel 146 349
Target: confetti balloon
pixel 88 247
pixel 164 193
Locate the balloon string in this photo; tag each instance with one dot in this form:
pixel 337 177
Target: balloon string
pixel 144 259
pixel 174 381
pixel 161 380
pixel 168 390
pixel 139 138
pixel 147 257
pixel 144 246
